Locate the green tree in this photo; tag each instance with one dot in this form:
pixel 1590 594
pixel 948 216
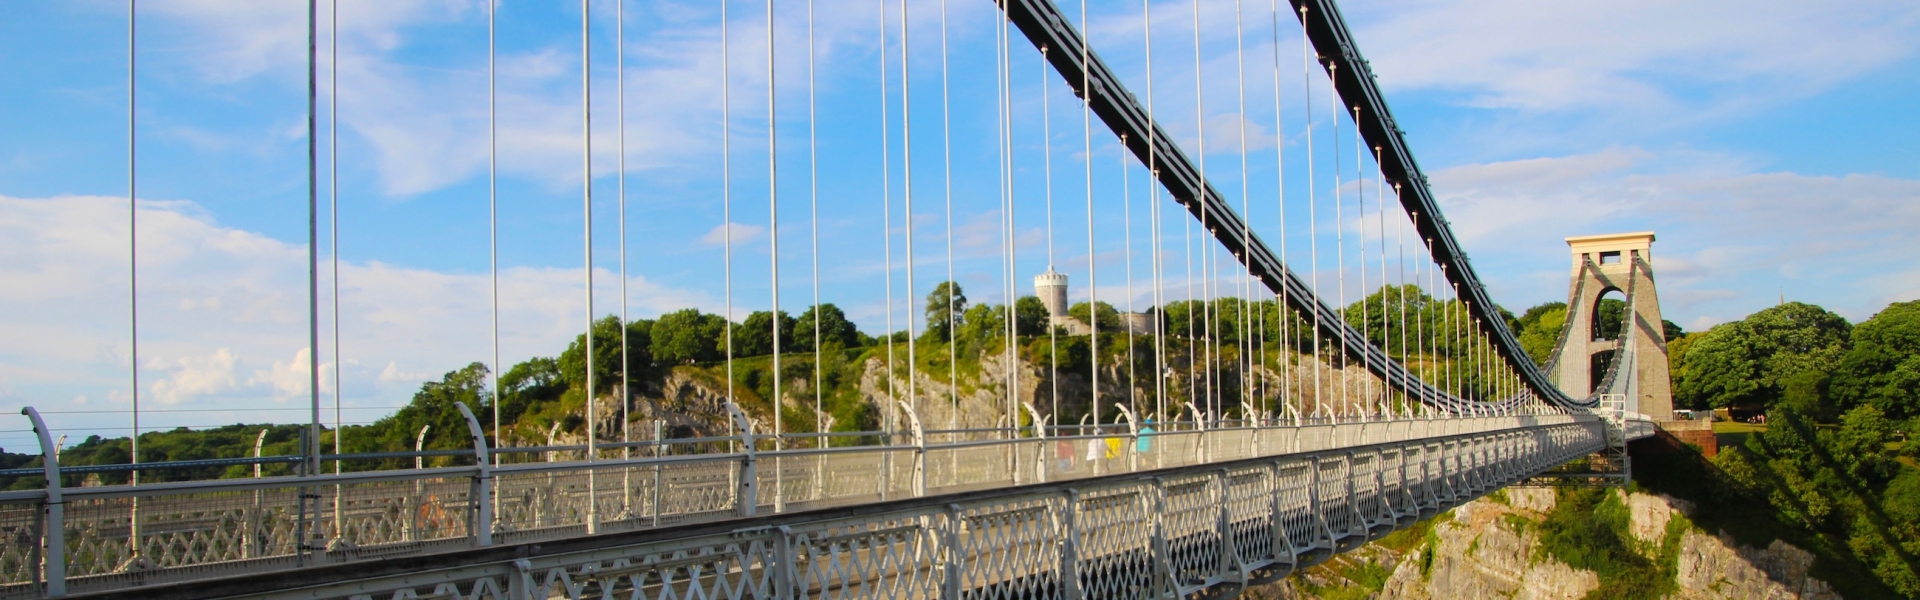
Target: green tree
pixel 1445 323
pixel 946 307
pixel 1540 330
pixel 1677 366
pixel 834 328
pixel 1074 355
pixel 606 353
pixel 754 337
pixel 1381 316
pixel 1796 337
pixel 1860 446
pixel 1181 318
pixel 981 328
pixel 433 405
pixel 1719 370
pixel 687 335
pixel 1608 316
pixel 1747 362
pixel 1805 393
pixel 533 381
pixel 1532 316
pixel 1671 331
pixel 1902 498
pixel 1029 316
pixel 1109 318
pixel 1286 329
pixel 1227 325
pixel 1883 366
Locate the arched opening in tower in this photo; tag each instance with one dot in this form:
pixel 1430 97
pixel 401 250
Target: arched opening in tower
pixel 1609 312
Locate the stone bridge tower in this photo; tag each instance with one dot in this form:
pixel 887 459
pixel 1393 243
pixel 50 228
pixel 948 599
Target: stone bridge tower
pixel 1613 256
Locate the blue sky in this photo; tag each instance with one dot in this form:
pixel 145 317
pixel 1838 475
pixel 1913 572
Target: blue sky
pixel 1769 143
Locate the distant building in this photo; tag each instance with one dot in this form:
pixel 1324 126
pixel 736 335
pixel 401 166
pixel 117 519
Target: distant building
pixel 1051 287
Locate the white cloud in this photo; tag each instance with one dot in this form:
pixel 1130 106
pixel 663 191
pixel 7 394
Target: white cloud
pixel 740 234
pixel 195 376
pixel 238 41
pixel 425 114
pixel 66 332
pixel 291 378
pixel 1544 72
pixel 393 374
pixel 1609 56
pixel 1487 200
pixel 1730 240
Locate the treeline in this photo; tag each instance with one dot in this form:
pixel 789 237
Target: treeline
pixel 957 336
pixel 1802 351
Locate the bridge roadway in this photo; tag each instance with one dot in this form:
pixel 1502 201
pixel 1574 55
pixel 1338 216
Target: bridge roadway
pixel 1177 512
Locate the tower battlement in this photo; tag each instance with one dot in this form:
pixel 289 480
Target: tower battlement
pixel 1051 286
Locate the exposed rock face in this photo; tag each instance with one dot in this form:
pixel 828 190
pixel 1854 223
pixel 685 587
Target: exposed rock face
pixel 692 404
pixel 1715 568
pixel 1489 549
pixel 1481 554
pixel 688 405
pixel 1538 500
pixel 1647 516
pixel 978 403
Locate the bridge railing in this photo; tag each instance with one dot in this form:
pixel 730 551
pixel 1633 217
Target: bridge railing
pixel 1170 532
pixel 116 537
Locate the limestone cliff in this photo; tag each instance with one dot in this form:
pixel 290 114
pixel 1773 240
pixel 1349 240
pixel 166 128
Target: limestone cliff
pixel 1493 548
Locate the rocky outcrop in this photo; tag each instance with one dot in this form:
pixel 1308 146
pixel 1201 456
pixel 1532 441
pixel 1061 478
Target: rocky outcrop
pixel 1480 553
pixel 1489 548
pixel 974 403
pixel 1716 568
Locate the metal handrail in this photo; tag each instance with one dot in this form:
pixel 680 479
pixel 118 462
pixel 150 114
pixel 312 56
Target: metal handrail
pixel 732 475
pixel 362 477
pixel 177 464
pixel 768 542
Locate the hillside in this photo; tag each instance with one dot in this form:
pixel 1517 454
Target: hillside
pixel 676 374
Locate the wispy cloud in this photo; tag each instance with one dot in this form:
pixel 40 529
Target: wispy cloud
pixel 734 234
pixel 1613 56
pixel 424 115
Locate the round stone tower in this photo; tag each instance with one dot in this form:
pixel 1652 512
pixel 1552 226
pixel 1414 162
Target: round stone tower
pixel 1051 287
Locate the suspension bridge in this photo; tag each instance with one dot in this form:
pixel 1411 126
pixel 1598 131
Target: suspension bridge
pixel 1263 457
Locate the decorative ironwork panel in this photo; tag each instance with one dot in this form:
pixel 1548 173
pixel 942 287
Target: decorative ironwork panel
pixel 1114 541
pixel 1190 525
pixel 1011 547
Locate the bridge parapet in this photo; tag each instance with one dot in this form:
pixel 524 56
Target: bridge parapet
pixel 1209 528
pixel 191 531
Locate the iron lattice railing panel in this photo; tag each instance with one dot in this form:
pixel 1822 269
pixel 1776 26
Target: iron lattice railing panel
pixel 1114 540
pixel 1182 532
pixel 1248 510
pixel 1188 521
pixel 1306 531
pixel 1010 547
pixel 893 557
pixel 1320 488
pixel 20 529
